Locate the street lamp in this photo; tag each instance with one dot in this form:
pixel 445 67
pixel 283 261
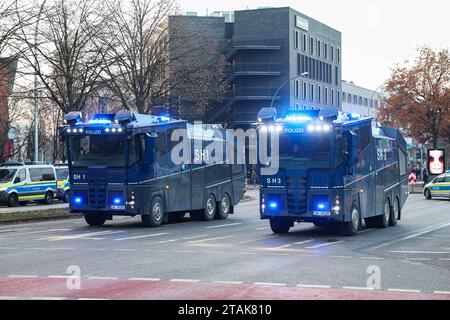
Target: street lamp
pixel 304 74
pixel 371 98
pixel 36 99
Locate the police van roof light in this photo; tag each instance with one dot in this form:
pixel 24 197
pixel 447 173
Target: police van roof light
pixel 73 118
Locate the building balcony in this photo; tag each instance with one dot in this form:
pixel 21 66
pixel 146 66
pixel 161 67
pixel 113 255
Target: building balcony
pixel 237 45
pixel 252 69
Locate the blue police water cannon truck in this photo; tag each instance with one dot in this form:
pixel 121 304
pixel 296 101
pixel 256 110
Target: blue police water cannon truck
pixel 338 170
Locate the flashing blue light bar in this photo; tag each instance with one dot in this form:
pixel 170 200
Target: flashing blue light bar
pixel 77 200
pixel 164 119
pixel 100 121
pixel 273 205
pixel 353 116
pixel 298 118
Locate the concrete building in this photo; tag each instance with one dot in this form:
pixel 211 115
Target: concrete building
pixel 8 68
pixel 275 56
pixel 356 99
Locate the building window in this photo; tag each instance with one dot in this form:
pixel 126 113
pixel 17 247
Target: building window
pixel 360 101
pixel 355 99
pixel 297 89
pixel 325 96
pixel 296 39
pixel 332 53
pixel 338 98
pixel 305 85
pixel 344 97
pixel 371 103
pixel 376 104
pixel 338 55
pixel 336 76
pixel 325 51
pixel 311 45
pixel 311 92
pixel 318 47
pixel 319 93
pixel 304 44
pixel 366 102
pixel 332 97
pixel 297 106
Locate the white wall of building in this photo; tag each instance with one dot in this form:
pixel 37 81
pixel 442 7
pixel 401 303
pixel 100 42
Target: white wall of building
pixel 356 99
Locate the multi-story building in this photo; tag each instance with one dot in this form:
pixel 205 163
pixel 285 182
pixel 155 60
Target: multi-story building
pixel 278 57
pixel 356 99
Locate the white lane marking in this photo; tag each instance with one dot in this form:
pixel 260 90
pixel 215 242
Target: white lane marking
pixel 442 292
pixel 184 280
pixel 366 230
pixel 224 225
pixel 444 259
pixel 141 237
pixel 269 284
pixel 18 276
pixel 33 232
pixel 8 248
pixel 58 277
pixel 294 244
pixel 404 290
pixel 415 235
pixel 196 237
pixel 164 242
pixel 341 257
pixel 358 288
pixel 313 286
pixel 126 250
pixel 102 278
pixel 210 239
pixel 371 258
pixel 9 298
pixel 263 228
pixel 227 282
pixel 256 240
pixel 91 299
pixel 145 279
pixel 14 230
pixel 421 252
pixel 48 298
pixel 417 259
pixel 317 246
pixel 89 235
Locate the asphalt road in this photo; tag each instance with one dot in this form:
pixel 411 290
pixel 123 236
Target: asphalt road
pixel 34 207
pixel 239 258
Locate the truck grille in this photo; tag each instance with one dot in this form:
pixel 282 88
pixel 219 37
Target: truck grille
pixel 97 188
pixel 297 183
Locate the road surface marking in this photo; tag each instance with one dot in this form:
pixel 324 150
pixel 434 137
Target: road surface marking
pixel 33 232
pixel 14 230
pixel 184 280
pixel 342 257
pixel 58 277
pixel 101 278
pixel 317 246
pixel 367 230
pixel 196 237
pixel 417 259
pixel 22 276
pixel 256 240
pixel 358 288
pixel 141 237
pixel 91 299
pixel 126 250
pixel 415 235
pixel 263 228
pixel 444 259
pixel 295 243
pixel 404 290
pixel 371 258
pixel 47 298
pixel 277 254
pixel 9 298
pixel 145 279
pixel 313 286
pixel 210 239
pixel 8 248
pixel 223 225
pixel 227 282
pixel 442 292
pixel 164 242
pixel 90 235
pixel 422 252
pixel 269 284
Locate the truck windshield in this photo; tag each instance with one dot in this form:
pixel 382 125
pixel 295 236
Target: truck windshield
pixel 6 175
pixel 311 151
pixel 102 150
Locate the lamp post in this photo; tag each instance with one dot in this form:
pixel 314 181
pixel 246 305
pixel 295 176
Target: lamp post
pixel 371 98
pixel 36 98
pixel 304 74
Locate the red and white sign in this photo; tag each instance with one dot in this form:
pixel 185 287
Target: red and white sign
pixel 436 162
pixel 412 178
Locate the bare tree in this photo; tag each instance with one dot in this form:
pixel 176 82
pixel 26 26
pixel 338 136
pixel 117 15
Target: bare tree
pixel 67 58
pixel 146 54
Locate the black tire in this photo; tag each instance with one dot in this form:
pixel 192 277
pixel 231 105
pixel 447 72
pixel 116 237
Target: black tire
pixel 156 216
pixel 13 200
pixel 395 213
pixel 95 220
pixel 210 208
pixel 66 198
pixel 382 221
pixel 280 226
pixel 48 200
pixel 224 207
pixel 427 194
pixel 352 227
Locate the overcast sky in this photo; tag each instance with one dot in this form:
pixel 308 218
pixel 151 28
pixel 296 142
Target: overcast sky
pixel 376 34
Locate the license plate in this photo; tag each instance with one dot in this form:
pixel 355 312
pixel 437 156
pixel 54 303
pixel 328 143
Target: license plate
pixel 117 207
pixel 322 214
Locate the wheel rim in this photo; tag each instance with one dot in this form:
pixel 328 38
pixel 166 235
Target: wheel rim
pixel 210 207
pixel 355 219
pixel 157 211
pixel 225 205
pixel 386 211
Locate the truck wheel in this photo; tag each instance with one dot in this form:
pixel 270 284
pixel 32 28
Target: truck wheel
pixel 393 220
pixel 210 209
pixel 280 225
pixel 352 227
pixel 156 216
pixel 428 194
pixel 95 220
pixel 383 220
pixel 13 200
pixel 224 207
pixel 66 198
pixel 48 198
